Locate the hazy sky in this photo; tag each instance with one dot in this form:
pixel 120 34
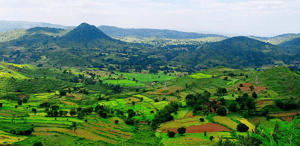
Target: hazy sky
pixel 247 17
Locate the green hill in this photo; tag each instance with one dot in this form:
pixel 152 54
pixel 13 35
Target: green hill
pixel 236 52
pixel 85 32
pixel 280 79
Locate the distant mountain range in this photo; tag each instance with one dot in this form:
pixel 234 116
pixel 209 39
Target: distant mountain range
pixel 82 35
pixel 12 25
pixel 160 33
pixel 86 45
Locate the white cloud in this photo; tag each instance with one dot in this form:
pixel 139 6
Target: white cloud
pixel 250 17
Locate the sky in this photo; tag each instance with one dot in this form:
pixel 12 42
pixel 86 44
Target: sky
pixel 232 17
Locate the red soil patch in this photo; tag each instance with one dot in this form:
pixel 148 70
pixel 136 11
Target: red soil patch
pixel 209 127
pixel 288 119
pixel 247 84
pixel 257 89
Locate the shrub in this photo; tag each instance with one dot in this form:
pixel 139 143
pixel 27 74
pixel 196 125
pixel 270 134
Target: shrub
pixel 156 100
pixel 211 138
pixel 171 134
pixel 79 109
pixel 12 131
pixel 19 102
pixel 72 112
pixel 266 112
pixel 254 95
pixel 34 110
pixel 116 121
pixel 38 144
pixel 181 130
pixel 269 117
pixel 62 93
pixel 201 119
pixel 25 100
pixel 242 127
pixel 55 107
pixel 1 104
pixel 129 121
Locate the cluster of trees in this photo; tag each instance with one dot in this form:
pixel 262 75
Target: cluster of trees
pixel 180 131
pixel 164 114
pixel 221 91
pixel 287 104
pixel 283 134
pixel 198 101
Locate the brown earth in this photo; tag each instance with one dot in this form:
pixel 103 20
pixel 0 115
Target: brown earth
pixel 209 127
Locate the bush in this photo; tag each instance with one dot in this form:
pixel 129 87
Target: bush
pixel 266 112
pixel 19 102
pixel 171 134
pixel 242 127
pixel 62 93
pixel 12 131
pixel 79 109
pixel 116 121
pixel 211 138
pixel 201 119
pixel 269 117
pixel 181 130
pixel 38 144
pixel 1 104
pixel 129 121
pixel 25 100
pixel 156 100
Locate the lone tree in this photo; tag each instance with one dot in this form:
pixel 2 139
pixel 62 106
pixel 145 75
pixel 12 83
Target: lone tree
pixel 242 127
pixel 205 133
pixel 34 110
pixel 181 130
pixel 171 134
pixel 211 138
pixel 74 126
pixel 1 104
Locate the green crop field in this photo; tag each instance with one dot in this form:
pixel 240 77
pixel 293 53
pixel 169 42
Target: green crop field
pixel 28 87
pixel 124 83
pixel 200 76
pixel 147 77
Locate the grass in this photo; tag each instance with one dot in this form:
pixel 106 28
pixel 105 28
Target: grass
pixel 127 83
pixel 7 138
pixel 226 121
pixel 194 138
pixel 200 76
pixel 144 78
